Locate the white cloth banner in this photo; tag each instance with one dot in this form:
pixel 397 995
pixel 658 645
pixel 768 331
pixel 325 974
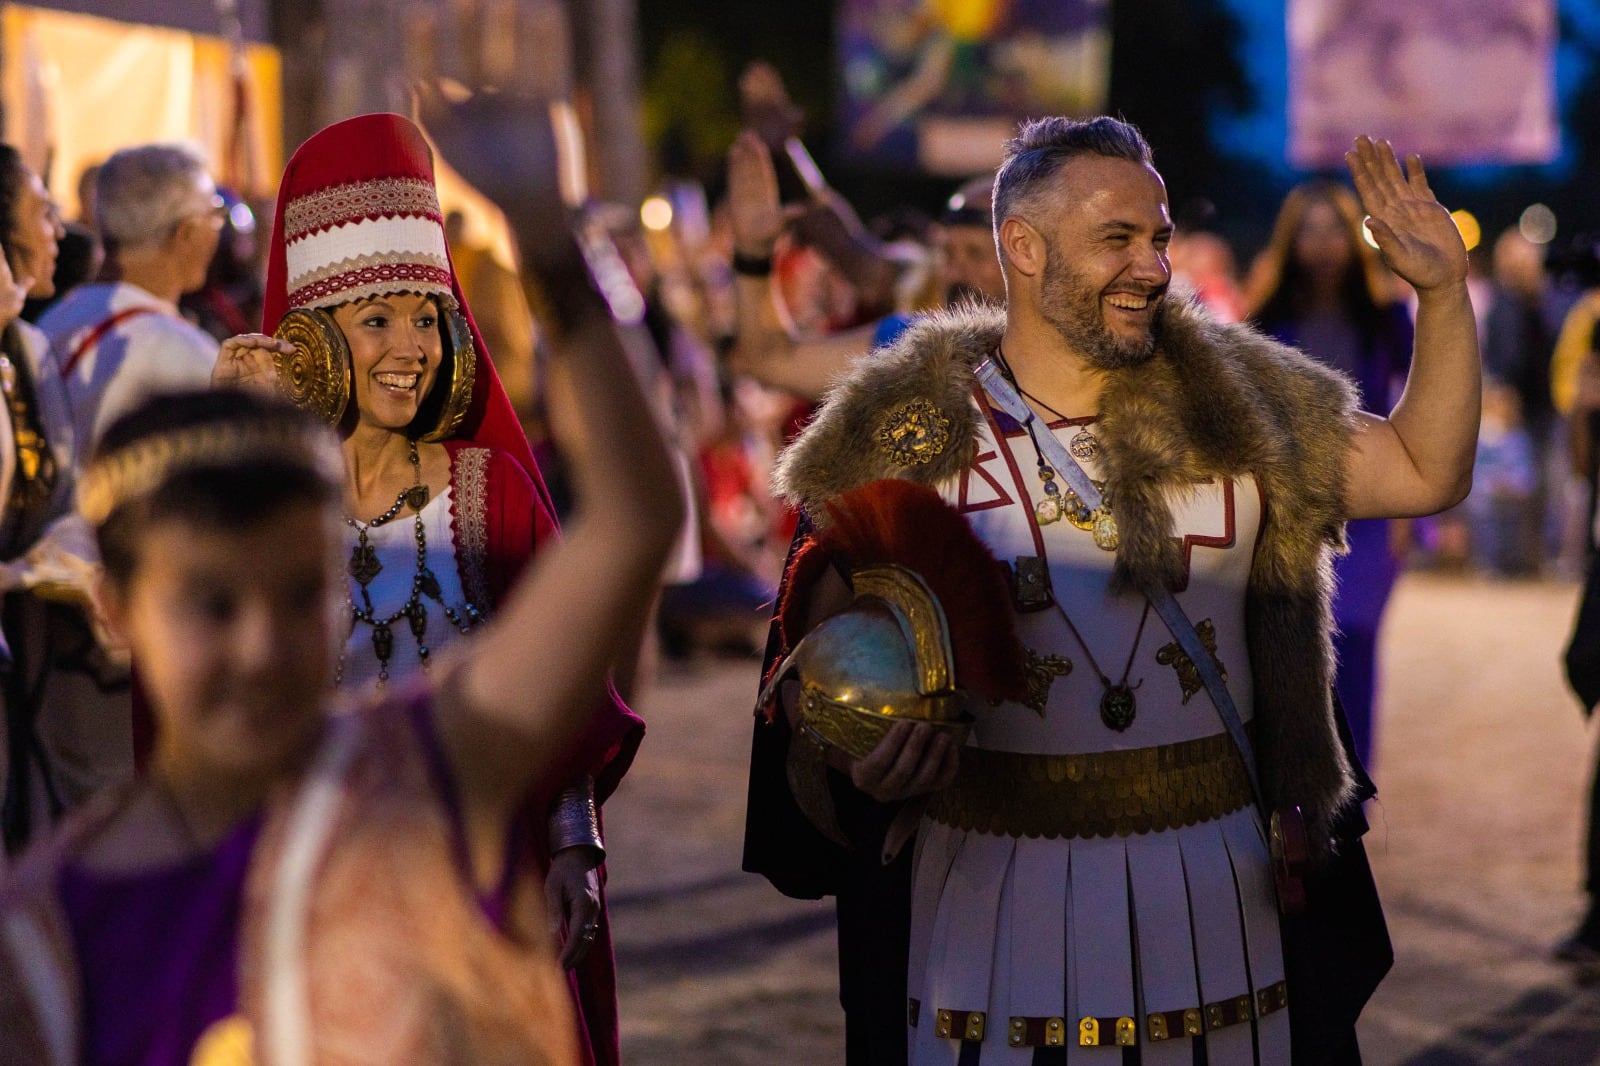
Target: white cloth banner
pixel 1457 81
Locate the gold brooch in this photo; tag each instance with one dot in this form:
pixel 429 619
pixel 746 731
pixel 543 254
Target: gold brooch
pixel 1042 671
pixel 1174 656
pixel 913 433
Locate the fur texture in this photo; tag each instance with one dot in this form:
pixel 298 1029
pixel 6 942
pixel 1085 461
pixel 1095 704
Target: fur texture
pixel 1216 400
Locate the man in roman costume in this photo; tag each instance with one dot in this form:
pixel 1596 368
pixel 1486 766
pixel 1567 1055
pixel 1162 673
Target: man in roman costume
pixel 1091 874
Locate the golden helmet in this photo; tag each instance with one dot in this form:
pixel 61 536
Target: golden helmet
pixel 886 658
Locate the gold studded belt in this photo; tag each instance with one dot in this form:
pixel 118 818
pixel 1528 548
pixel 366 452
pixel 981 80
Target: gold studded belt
pixel 1101 794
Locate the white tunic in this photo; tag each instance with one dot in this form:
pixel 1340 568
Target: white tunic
pixel 1107 927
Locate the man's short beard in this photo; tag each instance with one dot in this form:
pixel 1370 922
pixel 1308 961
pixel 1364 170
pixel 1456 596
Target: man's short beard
pixel 1068 301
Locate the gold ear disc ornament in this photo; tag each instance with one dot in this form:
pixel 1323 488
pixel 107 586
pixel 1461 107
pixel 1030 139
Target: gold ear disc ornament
pixel 463 375
pixel 316 376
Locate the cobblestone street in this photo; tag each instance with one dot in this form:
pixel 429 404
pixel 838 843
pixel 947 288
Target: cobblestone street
pixel 1482 762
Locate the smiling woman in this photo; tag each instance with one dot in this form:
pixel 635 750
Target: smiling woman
pixel 443 503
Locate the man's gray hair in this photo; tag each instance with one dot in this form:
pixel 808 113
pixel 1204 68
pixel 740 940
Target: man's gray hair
pixel 1043 146
pixel 142 193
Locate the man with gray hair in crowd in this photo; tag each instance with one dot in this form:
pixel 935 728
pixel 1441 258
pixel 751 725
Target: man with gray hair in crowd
pixel 117 340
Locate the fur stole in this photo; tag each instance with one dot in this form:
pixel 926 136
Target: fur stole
pixel 1216 400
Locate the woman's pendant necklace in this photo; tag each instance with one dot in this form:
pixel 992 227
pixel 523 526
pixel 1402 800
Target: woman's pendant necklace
pixel 1084 447
pixel 364 564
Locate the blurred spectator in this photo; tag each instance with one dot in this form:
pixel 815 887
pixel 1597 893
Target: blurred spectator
pixel 1321 287
pixel 1582 658
pixel 229 303
pixel 770 346
pixel 1503 506
pixel 1203 263
pixel 116 342
pixel 1519 337
pixel 67 708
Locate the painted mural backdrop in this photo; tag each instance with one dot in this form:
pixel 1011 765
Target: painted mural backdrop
pixel 1460 81
pixel 939 84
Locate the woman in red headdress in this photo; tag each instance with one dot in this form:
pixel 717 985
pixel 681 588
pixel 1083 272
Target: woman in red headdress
pixel 444 503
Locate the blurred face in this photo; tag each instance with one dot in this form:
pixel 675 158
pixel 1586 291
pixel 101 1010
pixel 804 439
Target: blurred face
pixel 236 635
pixel 395 351
pixel 197 231
pixel 1322 243
pixel 971 267
pixel 1106 271
pixel 35 240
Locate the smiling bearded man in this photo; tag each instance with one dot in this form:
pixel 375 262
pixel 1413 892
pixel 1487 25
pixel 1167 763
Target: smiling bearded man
pixel 1091 869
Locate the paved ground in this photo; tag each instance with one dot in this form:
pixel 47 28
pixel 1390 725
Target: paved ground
pixel 1482 762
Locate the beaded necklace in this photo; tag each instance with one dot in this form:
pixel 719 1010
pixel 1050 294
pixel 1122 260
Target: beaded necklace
pixel 365 566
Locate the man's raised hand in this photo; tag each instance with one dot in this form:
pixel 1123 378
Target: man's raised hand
pixel 1415 234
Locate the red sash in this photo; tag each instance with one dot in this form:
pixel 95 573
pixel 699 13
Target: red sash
pixel 96 335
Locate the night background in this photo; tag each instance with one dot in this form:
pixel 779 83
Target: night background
pixel 1206 80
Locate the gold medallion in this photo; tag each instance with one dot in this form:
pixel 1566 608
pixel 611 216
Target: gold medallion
pixel 1084 447
pixel 1104 525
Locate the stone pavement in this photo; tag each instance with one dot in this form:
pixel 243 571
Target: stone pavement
pixel 1482 764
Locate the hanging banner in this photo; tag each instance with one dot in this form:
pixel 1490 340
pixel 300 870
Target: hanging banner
pixel 1458 81
pixel 939 85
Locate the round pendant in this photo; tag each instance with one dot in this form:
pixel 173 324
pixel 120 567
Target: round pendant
pixel 1084 447
pixel 1117 707
pixel 417 497
pixel 1106 537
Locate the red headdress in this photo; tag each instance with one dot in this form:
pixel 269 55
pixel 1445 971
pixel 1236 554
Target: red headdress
pixel 358 215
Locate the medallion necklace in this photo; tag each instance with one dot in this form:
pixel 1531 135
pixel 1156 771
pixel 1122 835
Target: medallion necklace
pixel 365 566
pixel 1059 504
pixel 1118 706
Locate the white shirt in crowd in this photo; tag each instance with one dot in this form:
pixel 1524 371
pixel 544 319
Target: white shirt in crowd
pixel 151 350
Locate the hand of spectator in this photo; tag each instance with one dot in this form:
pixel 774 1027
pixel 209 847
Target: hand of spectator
pixel 248 362
pixel 754 210
pixel 1415 234
pixel 572 897
pixel 765 107
pixel 912 759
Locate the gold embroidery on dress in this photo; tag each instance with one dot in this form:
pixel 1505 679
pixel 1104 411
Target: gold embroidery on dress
pixel 1042 671
pixel 913 433
pixel 1174 656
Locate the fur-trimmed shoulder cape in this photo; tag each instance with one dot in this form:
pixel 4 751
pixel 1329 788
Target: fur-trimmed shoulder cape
pixel 1215 400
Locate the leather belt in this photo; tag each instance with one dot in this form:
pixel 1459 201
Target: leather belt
pixel 1100 794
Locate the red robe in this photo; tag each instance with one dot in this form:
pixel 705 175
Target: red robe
pixel 499 520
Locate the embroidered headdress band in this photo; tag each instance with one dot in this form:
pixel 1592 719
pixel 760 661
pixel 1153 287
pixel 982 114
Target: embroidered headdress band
pixel 144 466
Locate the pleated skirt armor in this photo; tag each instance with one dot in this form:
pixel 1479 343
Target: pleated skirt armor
pixel 1084 888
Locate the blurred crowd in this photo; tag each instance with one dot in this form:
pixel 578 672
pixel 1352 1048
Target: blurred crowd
pixel 743 344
